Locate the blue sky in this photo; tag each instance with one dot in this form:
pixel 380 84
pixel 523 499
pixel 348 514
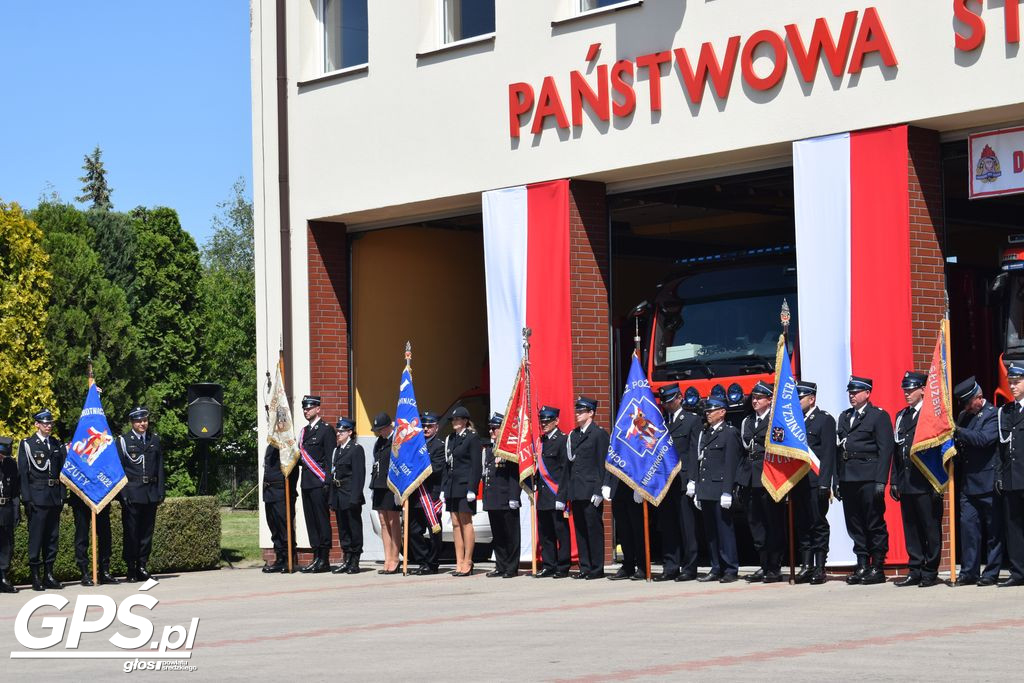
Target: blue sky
pixel 162 88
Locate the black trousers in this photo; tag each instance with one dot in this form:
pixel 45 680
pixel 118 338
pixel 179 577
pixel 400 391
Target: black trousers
pixel 350 529
pixel 865 519
pixel 505 539
pixel 137 521
pixel 426 545
pixel 981 532
pixel 766 520
pixel 810 516
pixel 629 529
pixel 6 547
pixel 589 523
pixel 1014 502
pixel 276 512
pixel 83 535
pixel 553 533
pixel 43 528
pixel 678 531
pixel 922 530
pixel 318 521
pixel 721 538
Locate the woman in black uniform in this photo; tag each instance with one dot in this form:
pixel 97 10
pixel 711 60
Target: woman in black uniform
pixel 383 499
pixel 348 474
pixel 464 462
pixel 501 502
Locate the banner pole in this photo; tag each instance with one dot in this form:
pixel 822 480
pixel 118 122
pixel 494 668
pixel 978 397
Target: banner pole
pixel 288 521
pixel 951 492
pixel 533 523
pixel 792 545
pixel 95 571
pixel 405 538
pixel 647 542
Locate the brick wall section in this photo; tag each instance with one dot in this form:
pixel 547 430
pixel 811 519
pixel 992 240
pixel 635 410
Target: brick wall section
pixel 927 262
pixel 590 294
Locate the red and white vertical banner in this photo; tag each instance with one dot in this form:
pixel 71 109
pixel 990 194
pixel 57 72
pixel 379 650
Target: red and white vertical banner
pixel 526 260
pixel 852 202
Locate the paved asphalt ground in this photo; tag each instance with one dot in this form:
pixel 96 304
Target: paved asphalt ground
pixel 392 628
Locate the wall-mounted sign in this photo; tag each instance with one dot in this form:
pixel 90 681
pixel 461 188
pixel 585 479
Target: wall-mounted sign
pixel 997 162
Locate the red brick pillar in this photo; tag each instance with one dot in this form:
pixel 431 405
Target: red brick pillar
pixel 927 263
pixel 589 273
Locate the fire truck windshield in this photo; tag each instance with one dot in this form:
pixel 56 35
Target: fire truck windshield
pixel 723 322
pixel 1015 318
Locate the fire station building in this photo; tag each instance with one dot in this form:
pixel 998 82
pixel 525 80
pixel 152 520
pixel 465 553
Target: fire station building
pixel 697 163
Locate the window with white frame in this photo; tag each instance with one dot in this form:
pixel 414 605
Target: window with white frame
pixel 463 19
pixel 588 5
pixel 345 33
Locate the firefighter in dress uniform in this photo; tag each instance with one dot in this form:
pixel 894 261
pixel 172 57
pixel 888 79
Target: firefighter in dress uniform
pixel 463 469
pixel 383 499
pixel 40 461
pixel 316 443
pixel 501 502
pixel 348 478
pixel 1010 475
pixel 865 439
pixel 920 503
pixel 675 514
pixel 811 494
pixel 425 545
pixel 718 454
pixel 589 485
pixel 764 516
pixel 977 459
pixel 628 515
pixel 142 458
pixel 552 522
pixel 10 491
pixel 276 508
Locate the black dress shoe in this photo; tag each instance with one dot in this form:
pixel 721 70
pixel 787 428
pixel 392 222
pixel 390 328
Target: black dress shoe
pixel 728 578
pixel 424 571
pixel 1011 582
pixel 340 569
pixel 6 586
pixel 756 577
pixel 987 581
pixel 670 576
pixel 965 580
pixel 772 577
pixel 142 573
pixel 873 576
pixel 390 571
pixel 544 573
pixel 686 576
pixel 268 568
pixel 599 574
pixel 579 575
pixel 709 577
pixel 107 579
pixel 511 574
pixel 638 575
pixel 311 567
pixel 87 580
pixel 493 573
pixel 910 580
pixel 929 582
pixel 621 575
pixel 560 575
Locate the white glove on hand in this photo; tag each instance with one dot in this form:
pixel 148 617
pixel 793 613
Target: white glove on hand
pixel 696 503
pixel 470 496
pixel 691 488
pixel 398 500
pixel 441 496
pixel 637 497
pixel 596 500
pixel 726 501
pixel 513 504
pixel 606 492
pixel 559 505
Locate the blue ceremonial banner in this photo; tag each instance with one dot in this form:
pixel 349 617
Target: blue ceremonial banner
pixel 410 461
pixel 787 455
pixel 641 453
pixel 93 468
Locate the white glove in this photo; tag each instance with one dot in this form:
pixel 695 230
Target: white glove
pixel 441 496
pixel 559 505
pixel 470 496
pixel 513 504
pixel 637 496
pixel 606 492
pixel 696 503
pixel 691 488
pixel 398 500
pixel 596 500
pixel 726 501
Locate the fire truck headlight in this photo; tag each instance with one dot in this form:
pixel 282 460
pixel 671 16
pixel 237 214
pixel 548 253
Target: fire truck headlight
pixel 735 393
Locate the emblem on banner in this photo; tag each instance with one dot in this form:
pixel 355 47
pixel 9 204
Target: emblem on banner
pixel 404 431
pixel 638 430
pixel 778 434
pixel 91 446
pixel 987 170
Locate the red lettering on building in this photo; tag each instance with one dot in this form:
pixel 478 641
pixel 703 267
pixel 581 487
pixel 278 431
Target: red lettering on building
pixel 871 38
pixel 549 104
pixel 620 86
pixel 520 100
pixel 1011 17
pixel 779 58
pixel 1018 161
pixel 836 54
pixel 708 69
pixel 652 63
pixel 975 25
pixel 581 90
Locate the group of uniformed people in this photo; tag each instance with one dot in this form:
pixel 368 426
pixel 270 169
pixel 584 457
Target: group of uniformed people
pixel 33 480
pixel 860 452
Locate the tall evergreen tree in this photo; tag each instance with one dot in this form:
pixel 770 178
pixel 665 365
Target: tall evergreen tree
pixel 24 294
pixel 165 306
pixel 94 183
pixel 114 241
pixel 88 320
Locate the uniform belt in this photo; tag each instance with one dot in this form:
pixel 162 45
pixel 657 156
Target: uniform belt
pixel 52 482
pixel 273 484
pixel 4 501
pixel 143 480
pixel 756 455
pixel 864 455
pixel 337 484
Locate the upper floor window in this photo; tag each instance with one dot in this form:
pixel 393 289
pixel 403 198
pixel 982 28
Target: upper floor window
pixel 345 33
pixel 467 18
pixel 588 5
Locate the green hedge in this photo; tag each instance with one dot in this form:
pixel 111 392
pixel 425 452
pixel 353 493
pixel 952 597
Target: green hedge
pixel 186 538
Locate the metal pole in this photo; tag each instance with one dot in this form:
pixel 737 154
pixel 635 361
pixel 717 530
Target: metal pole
pixel 527 332
pixel 288 520
pixel 647 542
pixel 405 535
pixel 792 543
pixel 95 570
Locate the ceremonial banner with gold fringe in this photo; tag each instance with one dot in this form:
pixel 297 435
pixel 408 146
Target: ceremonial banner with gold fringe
pixel 516 436
pixel 93 469
pixel 933 437
pixel 410 460
pixel 281 431
pixel 787 456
